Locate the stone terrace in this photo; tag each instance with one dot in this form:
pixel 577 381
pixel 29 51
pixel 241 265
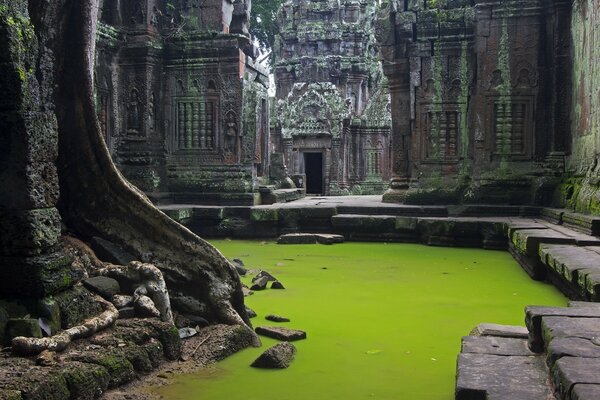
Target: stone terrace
pixel 557 357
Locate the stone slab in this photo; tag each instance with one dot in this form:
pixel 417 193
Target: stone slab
pixel 527 241
pixel 496 345
pixel 585 392
pixel 109 252
pixel 297 238
pixel 566 260
pixel 572 347
pixel 570 371
pixel 279 333
pixel 561 327
pixel 535 314
pixel 508 331
pixel 310 238
pixel 364 223
pixel 581 239
pixel 518 224
pixel 586 304
pixel 493 377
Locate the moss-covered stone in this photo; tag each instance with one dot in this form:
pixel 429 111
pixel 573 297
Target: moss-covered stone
pixel 49 310
pixel 76 305
pixel 118 367
pixel 86 381
pixel 6 394
pixel 27 327
pixel 264 214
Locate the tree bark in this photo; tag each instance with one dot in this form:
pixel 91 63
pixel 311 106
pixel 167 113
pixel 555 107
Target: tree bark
pixel 97 201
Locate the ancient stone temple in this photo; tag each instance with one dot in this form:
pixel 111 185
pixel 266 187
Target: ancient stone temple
pixel 480 98
pixel 333 119
pixel 182 106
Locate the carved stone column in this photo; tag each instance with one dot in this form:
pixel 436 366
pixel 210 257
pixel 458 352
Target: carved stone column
pixel 399 77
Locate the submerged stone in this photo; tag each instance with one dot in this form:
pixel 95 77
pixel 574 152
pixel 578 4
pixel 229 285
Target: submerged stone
pixel 277 285
pixel 260 284
pixel 276 318
pixel 279 356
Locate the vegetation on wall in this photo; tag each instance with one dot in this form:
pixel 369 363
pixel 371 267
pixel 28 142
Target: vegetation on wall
pixel 264 22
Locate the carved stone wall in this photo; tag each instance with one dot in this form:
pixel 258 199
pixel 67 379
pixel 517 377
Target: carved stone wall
pixel 474 94
pixel 328 80
pixel 32 263
pixel 581 188
pixel 170 82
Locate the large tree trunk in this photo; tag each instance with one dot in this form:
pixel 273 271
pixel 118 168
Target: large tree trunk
pixel 97 201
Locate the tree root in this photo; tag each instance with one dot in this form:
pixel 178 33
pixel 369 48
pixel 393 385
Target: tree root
pixel 150 283
pixel 31 346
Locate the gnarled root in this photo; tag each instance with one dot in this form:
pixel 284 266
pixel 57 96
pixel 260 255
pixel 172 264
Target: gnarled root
pixel 31 346
pixel 150 282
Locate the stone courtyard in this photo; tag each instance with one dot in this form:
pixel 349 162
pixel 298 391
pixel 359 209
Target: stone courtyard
pixel 132 129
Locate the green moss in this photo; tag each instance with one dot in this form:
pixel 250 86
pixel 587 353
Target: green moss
pixel 379 314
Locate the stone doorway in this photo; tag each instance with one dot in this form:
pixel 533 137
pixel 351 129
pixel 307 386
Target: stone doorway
pixel 313 168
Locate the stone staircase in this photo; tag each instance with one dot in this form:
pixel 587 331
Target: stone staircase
pixel 557 357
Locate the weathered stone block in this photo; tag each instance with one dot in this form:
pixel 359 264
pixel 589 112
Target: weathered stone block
pixel 264 214
pixel 110 252
pixel 493 377
pixel 28 232
pixel 279 356
pixel 86 380
pixel 500 346
pixel 49 310
pixel 496 330
pixel 39 276
pixel 102 285
pixel 77 305
pixel 27 327
pixel 285 334
pixel 568 372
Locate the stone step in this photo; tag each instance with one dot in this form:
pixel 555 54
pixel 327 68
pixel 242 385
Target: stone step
pixel 577 378
pixel 535 315
pixel 503 377
pixel 579 267
pixel 398 211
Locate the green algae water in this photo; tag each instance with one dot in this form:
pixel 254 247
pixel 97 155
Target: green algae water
pixel 384 321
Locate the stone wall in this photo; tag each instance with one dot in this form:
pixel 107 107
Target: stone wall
pixel 30 225
pixel 333 106
pixel 581 190
pixel 477 102
pixel 170 81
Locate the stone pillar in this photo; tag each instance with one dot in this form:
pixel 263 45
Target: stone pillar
pixel 30 225
pixel 399 77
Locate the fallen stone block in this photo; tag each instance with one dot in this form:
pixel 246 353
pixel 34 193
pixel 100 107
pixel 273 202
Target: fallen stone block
pixel 297 238
pixel 277 285
pixel 276 318
pixel 260 284
pixel 279 356
pixel 285 334
pixel 102 285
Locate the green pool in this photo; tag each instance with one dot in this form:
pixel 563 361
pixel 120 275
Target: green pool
pixel 384 321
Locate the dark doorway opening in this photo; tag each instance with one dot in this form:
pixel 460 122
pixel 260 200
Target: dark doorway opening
pixel 313 168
